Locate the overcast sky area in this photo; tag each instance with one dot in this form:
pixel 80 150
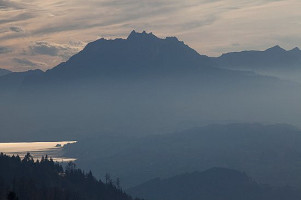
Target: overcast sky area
pixel 41 34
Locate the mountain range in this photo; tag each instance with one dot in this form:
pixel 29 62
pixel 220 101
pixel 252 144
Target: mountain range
pixel 139 85
pixel 145 56
pixel 274 61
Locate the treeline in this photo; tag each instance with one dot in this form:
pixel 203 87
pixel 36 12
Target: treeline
pixel 26 179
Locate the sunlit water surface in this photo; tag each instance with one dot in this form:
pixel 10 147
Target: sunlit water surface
pixel 54 150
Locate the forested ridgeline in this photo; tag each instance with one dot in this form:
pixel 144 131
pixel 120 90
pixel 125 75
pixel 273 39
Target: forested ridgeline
pixel 26 179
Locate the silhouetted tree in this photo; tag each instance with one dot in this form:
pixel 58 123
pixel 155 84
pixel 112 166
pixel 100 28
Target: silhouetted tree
pixel 12 196
pixel 70 167
pixel 27 158
pixel 47 180
pixel 118 182
pixel 108 178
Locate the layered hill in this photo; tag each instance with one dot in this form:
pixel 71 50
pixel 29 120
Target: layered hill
pixel 268 153
pixel 212 184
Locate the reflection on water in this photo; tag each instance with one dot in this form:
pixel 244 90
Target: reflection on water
pixel 54 150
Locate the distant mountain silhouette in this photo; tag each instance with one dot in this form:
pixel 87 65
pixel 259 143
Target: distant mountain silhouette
pixel 4 72
pixel 15 80
pixel 212 184
pixel 275 60
pixel 144 55
pixel 141 54
pixel 275 57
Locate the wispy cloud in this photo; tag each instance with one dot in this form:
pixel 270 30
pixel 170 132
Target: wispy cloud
pixel 43 29
pixel 16 29
pixel 7 4
pixel 4 50
pixel 51 49
pixel 25 62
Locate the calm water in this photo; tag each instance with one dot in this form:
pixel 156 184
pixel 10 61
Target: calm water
pixel 37 149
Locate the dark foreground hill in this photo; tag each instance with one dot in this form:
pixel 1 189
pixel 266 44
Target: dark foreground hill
pixel 212 184
pixel 45 180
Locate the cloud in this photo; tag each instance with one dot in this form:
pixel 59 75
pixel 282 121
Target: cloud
pixel 44 48
pixel 4 50
pixel 16 29
pixel 6 4
pixel 25 62
pixel 52 49
pixel 16 18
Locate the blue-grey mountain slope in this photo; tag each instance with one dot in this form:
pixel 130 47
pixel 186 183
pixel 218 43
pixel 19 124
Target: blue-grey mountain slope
pixel 141 54
pixel 268 153
pixel 274 61
pixel 13 81
pixel 4 72
pixel 212 184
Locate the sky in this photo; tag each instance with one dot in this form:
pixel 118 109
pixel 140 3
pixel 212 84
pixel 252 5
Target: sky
pixel 39 34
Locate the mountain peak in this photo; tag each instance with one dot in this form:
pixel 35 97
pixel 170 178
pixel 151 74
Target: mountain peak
pixel 276 48
pixel 144 35
pixel 296 49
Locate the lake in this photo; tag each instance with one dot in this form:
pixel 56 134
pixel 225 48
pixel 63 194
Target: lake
pixel 54 150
